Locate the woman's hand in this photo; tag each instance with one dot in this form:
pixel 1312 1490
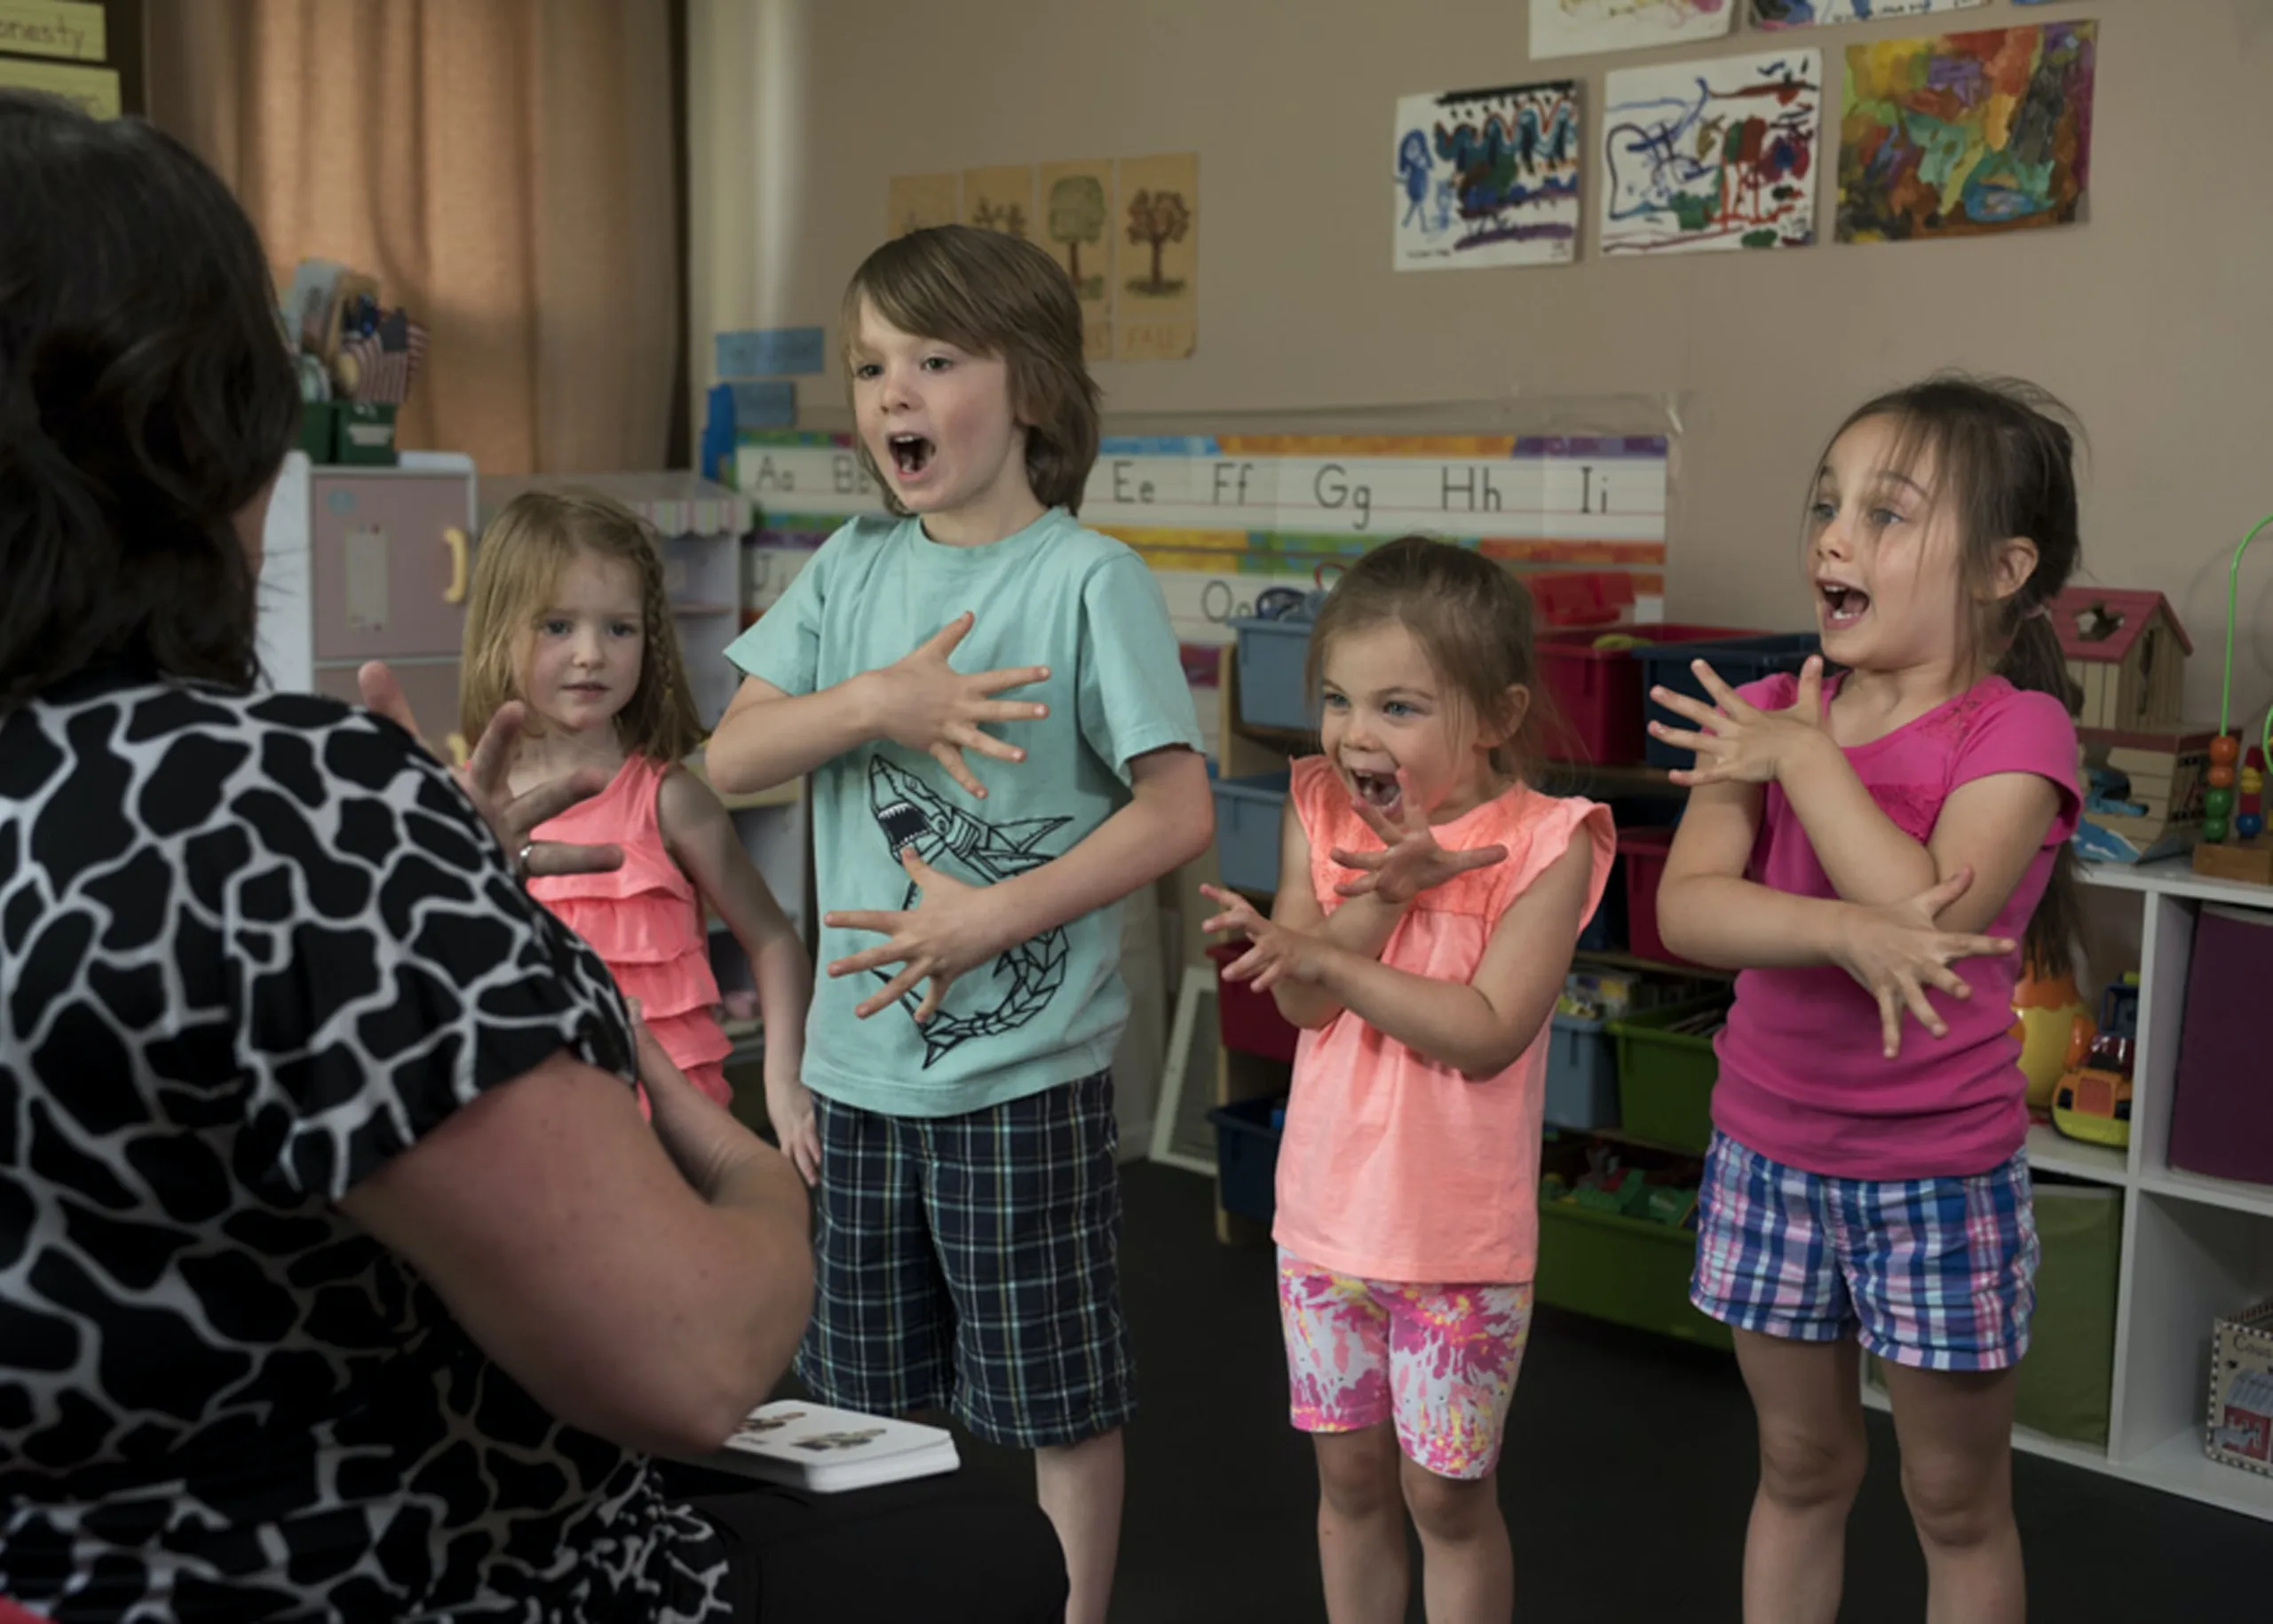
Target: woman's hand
pixel 702 1137
pixel 485 778
pixel 1742 744
pixel 1895 952
pixel 1276 954
pixel 951 930
pixel 1411 861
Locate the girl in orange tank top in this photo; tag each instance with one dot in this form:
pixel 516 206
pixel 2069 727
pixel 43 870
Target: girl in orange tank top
pixel 569 618
pixel 1429 903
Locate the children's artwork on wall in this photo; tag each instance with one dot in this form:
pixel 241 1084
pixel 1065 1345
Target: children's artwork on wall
pixel 1580 28
pixel 1156 301
pixel 1488 178
pixel 1802 13
pixel 1712 155
pixel 1073 210
pixel 1967 133
pixel 1000 199
pixel 918 201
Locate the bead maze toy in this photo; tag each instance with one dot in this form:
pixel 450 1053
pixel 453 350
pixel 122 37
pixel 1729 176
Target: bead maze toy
pixel 2234 844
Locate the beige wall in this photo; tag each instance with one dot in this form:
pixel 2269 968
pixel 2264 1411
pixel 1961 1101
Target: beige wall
pixel 2151 320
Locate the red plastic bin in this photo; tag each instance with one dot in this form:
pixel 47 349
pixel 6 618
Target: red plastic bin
pixel 1598 691
pixel 1250 1020
pixel 1645 851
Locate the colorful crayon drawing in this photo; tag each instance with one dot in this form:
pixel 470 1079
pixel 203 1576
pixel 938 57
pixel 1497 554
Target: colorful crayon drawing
pixel 1967 133
pixel 1712 155
pixel 1804 13
pixel 1488 178
pixel 1580 28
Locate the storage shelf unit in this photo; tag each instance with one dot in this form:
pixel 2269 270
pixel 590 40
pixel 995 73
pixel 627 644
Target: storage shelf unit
pixel 2192 1248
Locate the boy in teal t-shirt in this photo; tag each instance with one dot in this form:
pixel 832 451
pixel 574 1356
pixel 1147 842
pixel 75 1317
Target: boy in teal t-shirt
pixel 981 806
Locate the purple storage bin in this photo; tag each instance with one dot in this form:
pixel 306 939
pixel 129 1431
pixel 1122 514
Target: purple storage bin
pixel 2222 1106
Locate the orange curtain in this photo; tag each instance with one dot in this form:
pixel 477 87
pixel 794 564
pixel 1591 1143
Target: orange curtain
pixel 503 168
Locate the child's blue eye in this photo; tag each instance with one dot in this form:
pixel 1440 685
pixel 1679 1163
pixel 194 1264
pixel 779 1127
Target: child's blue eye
pixel 624 629
pixel 1398 708
pixel 1824 511
pixel 937 363
pixel 1335 701
pixel 1884 516
pixel 556 629
pixel 868 369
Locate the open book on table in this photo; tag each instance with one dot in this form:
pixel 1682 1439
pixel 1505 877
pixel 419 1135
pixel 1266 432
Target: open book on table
pixel 812 1447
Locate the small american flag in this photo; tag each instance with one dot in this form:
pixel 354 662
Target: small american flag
pixel 386 360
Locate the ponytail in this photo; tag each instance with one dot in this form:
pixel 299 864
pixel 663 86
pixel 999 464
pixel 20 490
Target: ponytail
pixel 2033 662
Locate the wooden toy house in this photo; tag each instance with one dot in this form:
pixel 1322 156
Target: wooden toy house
pixel 2142 790
pixel 2127 651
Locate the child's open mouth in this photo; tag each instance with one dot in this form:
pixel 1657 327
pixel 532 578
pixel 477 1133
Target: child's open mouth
pixel 1843 606
pixel 911 453
pixel 1379 790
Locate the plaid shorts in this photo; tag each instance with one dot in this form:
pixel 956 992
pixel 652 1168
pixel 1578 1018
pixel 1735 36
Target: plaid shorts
pixel 1938 1274
pixel 970 1263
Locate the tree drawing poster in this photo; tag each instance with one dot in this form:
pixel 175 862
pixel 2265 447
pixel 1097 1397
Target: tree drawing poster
pixel 1000 199
pixel 1580 28
pixel 1967 134
pixel 1156 273
pixel 1488 178
pixel 1712 155
pixel 1073 211
pixel 918 201
pixel 1805 13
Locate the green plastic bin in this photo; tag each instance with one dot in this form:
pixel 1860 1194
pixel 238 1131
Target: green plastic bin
pixel 1627 1270
pixel 1665 1079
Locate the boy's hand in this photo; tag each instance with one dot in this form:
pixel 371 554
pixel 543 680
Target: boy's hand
pixel 1277 953
pixel 924 703
pixel 1411 861
pixel 1895 952
pixel 951 929
pixel 789 1107
pixel 1743 745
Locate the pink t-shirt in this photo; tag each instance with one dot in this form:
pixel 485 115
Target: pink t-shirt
pixel 1802 1076
pixel 1392 1167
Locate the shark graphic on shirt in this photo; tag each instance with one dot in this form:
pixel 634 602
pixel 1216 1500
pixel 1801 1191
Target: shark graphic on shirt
pixel 949 838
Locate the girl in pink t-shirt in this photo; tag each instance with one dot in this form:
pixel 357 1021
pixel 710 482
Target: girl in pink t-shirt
pixel 1428 902
pixel 1867 852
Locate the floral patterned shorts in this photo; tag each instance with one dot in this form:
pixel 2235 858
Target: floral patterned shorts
pixel 1440 1361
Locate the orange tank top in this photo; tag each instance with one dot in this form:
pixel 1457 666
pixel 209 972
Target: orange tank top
pixel 644 918
pixel 1392 1165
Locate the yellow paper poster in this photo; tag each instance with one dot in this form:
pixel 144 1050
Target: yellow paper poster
pixel 94 89
pixel 53 28
pixel 1000 199
pixel 1074 207
pixel 918 201
pixel 1156 292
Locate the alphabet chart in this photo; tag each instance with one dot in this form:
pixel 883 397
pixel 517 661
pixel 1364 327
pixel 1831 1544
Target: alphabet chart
pixel 1221 517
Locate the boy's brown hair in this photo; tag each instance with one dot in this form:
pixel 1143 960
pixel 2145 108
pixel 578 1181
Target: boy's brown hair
pixel 533 537
pixel 993 294
pixel 1473 621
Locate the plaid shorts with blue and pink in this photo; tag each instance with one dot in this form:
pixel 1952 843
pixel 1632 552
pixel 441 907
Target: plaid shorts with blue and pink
pixel 1936 1273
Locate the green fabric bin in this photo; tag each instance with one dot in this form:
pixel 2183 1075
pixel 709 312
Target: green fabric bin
pixel 2066 1385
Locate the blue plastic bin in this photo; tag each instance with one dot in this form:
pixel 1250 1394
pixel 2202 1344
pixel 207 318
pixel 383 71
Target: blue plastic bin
pixel 1739 661
pixel 1247 1156
pixel 1273 690
pixel 1581 1075
pixel 1247 814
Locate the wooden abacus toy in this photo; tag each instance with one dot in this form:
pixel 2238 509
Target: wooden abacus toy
pixel 2234 844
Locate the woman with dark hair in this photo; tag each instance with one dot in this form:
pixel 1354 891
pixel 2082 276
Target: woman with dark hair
pixel 340 1277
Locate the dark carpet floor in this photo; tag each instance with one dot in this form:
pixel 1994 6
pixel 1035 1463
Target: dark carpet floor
pixel 1628 1474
